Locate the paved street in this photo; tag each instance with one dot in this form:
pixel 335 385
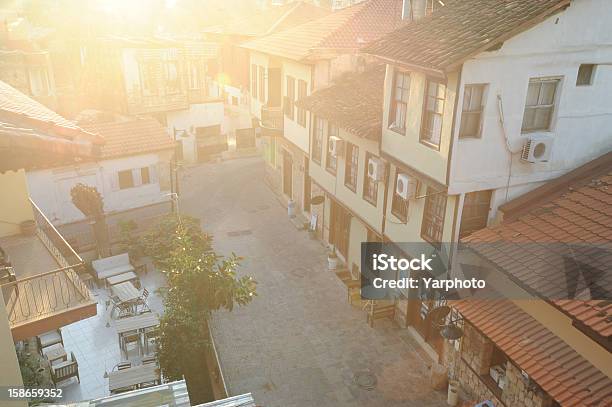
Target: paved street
pixel 299 343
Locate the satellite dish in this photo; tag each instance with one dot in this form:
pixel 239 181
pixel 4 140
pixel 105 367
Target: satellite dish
pixel 317 200
pixel 451 332
pixel 437 315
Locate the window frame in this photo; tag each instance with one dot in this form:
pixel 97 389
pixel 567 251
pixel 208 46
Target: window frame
pixel 368 182
pixel 425 114
pixel 317 142
pixel 394 102
pixel 261 80
pixel 591 76
pixel 254 84
pixel 552 106
pixel 351 162
pixel 402 217
pixel 289 109
pixel 171 90
pixel 480 111
pixel 145 176
pixel 430 206
pixel 302 91
pixel 328 157
pixel 131 182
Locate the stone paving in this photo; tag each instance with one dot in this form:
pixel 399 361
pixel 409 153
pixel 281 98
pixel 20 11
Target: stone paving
pixel 299 343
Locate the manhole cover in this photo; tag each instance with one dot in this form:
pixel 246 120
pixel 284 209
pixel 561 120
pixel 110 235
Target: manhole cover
pixel 365 380
pixel 235 233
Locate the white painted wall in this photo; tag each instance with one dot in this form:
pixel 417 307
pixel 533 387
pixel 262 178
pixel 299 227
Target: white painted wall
pixel 185 121
pixel 582 122
pixel 293 132
pixel 50 188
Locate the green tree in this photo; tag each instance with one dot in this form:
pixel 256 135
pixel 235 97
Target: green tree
pixel 88 200
pixel 199 283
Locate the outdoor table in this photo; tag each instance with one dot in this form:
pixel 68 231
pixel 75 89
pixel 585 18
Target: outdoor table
pixel 54 352
pixel 133 376
pixel 121 278
pixel 137 322
pixel 125 291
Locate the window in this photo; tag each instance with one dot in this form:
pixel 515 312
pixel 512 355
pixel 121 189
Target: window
pixel 351 166
pixel 149 74
pixel 290 98
pixel 431 129
pixel 540 104
pixel 399 205
pixel 471 113
pixel 172 77
pixel 195 75
pixel 331 162
pixel 254 93
pixel 370 186
pixel 317 139
pixel 39 81
pixel 585 75
pixel 145 176
pixel 126 180
pixel 433 216
pixel 301 112
pixel 262 84
pixel 399 102
pixel 475 212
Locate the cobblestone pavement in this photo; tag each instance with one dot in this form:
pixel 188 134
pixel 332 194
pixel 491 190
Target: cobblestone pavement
pixel 299 343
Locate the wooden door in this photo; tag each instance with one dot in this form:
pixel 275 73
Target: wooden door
pixel 287 174
pixel 307 192
pixel 340 228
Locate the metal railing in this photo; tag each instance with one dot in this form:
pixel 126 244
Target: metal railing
pixel 35 297
pixel 272 118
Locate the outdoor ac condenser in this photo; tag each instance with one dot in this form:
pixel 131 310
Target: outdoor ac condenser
pixel 376 169
pixel 406 186
pixel 335 146
pixel 537 149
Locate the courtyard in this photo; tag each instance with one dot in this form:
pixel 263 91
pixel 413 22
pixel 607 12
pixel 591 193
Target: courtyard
pixel 299 343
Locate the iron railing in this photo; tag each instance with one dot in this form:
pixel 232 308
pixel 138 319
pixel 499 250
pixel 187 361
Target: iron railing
pixel 35 297
pixel 272 118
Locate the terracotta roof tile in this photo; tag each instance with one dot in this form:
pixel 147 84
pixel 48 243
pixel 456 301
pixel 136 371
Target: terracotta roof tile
pixel 459 30
pixel 565 375
pixel 131 137
pixel 346 29
pixel 353 102
pixel 579 212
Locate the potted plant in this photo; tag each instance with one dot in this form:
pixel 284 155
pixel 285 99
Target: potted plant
pixel 332 259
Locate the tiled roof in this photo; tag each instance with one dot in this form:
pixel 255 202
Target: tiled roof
pixel 353 102
pixel 565 375
pixel 346 29
pixel 269 20
pixel 459 30
pixel 21 105
pixel 574 209
pixel 32 135
pixel 131 137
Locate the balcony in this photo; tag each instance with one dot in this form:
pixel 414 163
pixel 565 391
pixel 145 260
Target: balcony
pixel 38 302
pixel 272 121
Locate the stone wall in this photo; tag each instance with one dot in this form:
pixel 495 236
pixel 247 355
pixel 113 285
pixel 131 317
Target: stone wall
pixel 472 361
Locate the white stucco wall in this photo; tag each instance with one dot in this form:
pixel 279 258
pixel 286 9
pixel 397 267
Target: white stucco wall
pixel 198 115
pixel 50 188
pixel 582 120
pixel 293 132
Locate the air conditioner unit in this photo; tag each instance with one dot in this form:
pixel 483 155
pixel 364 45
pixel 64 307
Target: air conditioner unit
pixel 376 169
pixel 537 149
pixel 406 186
pixel 334 146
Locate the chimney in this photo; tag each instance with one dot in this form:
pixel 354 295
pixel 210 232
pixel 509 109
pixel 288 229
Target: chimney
pixel 413 10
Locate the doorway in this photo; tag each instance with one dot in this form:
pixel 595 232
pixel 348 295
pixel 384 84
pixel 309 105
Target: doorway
pixel 340 228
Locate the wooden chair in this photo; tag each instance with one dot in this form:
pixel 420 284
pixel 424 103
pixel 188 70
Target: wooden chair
pixel 142 300
pixel 65 370
pixel 149 360
pixel 123 365
pixel 151 336
pixel 48 339
pixel 125 309
pixel 128 338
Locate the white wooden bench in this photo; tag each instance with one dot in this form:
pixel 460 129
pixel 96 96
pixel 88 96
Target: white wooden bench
pixel 65 370
pixel 112 266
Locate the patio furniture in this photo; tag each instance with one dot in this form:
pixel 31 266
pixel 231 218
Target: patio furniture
pixel 151 336
pixel 125 308
pixel 126 292
pixel 49 338
pixel 123 365
pixel 128 338
pixel 7 275
pixel 127 326
pixel 65 370
pixel 149 360
pixel 134 377
pixel 122 278
pixel 142 301
pixel 54 353
pixel 112 266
